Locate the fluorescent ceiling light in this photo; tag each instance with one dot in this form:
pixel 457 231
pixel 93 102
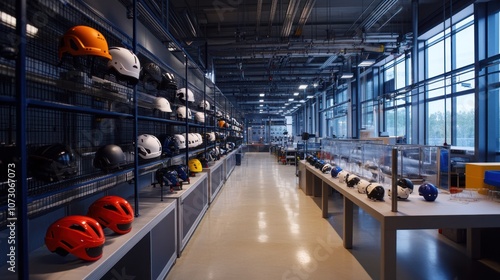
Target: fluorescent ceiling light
pixel 262 100
pixel 347 76
pixel 286 104
pixel 366 63
pixel 11 21
pixel 262 94
pixel 261 105
pixel 291 99
pixel 315 84
pixel 302 101
pixel 310 96
pixel 295 93
pixel 302 86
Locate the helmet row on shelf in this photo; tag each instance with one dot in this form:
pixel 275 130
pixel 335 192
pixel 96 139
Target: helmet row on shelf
pixel 83 236
pixel 83 40
pixel 373 190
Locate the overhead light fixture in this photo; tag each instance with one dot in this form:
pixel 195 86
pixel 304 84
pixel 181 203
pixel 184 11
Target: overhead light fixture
pixel 262 100
pixel 261 105
pixel 302 86
pixel 262 94
pixel 286 104
pixel 295 93
pixel 366 63
pixel 315 85
pixel 347 76
pixel 310 96
pixel 11 21
pixel 302 101
pixel 291 99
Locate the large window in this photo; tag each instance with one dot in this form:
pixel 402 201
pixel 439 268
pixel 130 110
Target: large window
pixel 450 94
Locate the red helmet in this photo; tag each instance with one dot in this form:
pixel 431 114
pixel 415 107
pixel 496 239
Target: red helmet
pixel 79 235
pixel 113 212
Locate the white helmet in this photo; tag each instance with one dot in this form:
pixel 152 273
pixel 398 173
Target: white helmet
pixel 210 136
pixel 218 114
pixel 199 117
pixel 125 63
pixel 204 105
pixel 181 112
pixel 403 193
pixel 181 93
pixel 362 185
pixel 326 168
pixel 343 176
pixel 200 138
pixel 148 146
pixel 162 104
pixel 190 139
pixel 181 141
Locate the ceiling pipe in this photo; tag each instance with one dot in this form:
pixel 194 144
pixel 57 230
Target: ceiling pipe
pixel 259 15
pixel 292 9
pixel 272 13
pixel 304 16
pixel 377 13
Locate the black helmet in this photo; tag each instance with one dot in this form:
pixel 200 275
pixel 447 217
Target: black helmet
pixel 53 162
pixel 167 81
pixel 352 181
pixel 375 192
pixel 151 74
pixel 203 160
pixel 109 157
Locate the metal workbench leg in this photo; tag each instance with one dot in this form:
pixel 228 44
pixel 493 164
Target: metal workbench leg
pixel 324 199
pixel 348 217
pixel 387 253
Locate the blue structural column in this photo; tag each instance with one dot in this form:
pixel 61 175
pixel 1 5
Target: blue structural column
pixel 136 113
pixel 21 186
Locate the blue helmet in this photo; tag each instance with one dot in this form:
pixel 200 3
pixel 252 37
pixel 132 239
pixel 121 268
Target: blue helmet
pixel 171 178
pixel 335 171
pixel 428 191
pixel 182 172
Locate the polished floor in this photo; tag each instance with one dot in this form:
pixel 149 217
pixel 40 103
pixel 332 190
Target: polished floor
pixel 262 226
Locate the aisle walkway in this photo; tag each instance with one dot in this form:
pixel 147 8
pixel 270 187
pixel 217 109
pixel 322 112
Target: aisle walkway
pixel 261 226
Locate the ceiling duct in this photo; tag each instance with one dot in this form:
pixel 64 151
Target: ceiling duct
pixel 272 13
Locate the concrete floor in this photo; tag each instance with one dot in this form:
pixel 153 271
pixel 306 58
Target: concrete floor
pixel 262 226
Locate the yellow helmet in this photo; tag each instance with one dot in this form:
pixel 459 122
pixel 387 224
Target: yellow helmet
pixel 195 165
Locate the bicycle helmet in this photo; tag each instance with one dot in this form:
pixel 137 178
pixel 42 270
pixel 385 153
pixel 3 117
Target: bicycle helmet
pixel 181 141
pixel 326 168
pixel 363 185
pixel 181 94
pixel 124 64
pixel 352 181
pixel 343 176
pixel 113 212
pixel 182 114
pixel 205 105
pixel 109 157
pixel 195 165
pixel 169 145
pixel 428 191
pixel 83 40
pixel 148 146
pixel 162 104
pixel 80 236
pixel 375 192
pixel 151 75
pixel 406 183
pixel 53 162
pixel 167 81
pixel 199 117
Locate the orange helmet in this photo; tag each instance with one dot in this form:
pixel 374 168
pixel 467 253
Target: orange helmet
pixel 222 124
pixel 79 235
pixel 83 40
pixel 113 212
